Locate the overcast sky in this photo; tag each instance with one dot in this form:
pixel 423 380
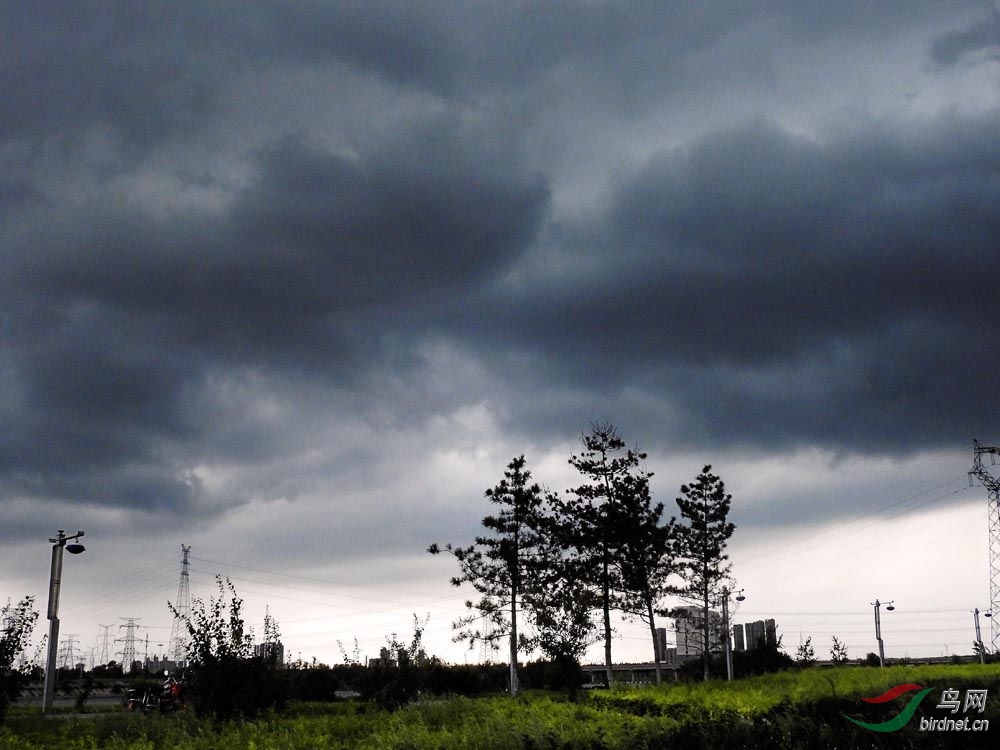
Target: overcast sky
pixel 292 282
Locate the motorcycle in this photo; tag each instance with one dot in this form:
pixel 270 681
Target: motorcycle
pixel 173 696
pixel 170 697
pixel 142 700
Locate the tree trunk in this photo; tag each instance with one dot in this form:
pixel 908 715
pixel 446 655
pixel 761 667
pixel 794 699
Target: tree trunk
pixel 657 656
pixel 606 596
pixel 514 687
pixel 705 628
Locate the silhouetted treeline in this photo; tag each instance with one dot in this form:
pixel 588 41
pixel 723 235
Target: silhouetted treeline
pixel 391 686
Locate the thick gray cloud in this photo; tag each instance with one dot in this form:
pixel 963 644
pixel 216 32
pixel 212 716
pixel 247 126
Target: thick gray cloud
pixel 227 229
pixel 775 289
pixel 982 37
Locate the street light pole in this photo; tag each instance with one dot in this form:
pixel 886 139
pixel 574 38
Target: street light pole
pixel 55 581
pixel 979 638
pixel 726 627
pixel 878 629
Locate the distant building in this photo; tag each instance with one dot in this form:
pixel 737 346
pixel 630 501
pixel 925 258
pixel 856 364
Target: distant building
pixel 661 643
pixel 384 659
pixel 761 633
pixel 770 633
pixel 689 622
pixel 738 642
pixel 274 650
pixel 160 664
pixel 754 634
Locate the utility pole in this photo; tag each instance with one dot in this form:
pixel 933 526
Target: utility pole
pixel 992 485
pixel 726 628
pixel 878 629
pixel 979 637
pixel 59 542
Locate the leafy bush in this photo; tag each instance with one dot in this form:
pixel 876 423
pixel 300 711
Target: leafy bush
pixel 225 680
pixel 18 621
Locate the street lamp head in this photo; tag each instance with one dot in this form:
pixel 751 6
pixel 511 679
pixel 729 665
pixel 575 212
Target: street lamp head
pixel 988 613
pixel 75 548
pixel 889 607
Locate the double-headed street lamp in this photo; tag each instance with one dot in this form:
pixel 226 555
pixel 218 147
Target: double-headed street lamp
pixel 55 580
pixel 878 629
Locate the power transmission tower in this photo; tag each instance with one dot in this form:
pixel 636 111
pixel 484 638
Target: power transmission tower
pixel 487 656
pixel 68 651
pixel 105 652
pixel 128 652
pixel 177 650
pixel 992 485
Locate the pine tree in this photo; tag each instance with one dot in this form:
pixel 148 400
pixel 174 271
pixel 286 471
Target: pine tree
pixel 594 520
pixel 560 602
pixel 700 549
pixel 499 565
pixel 645 559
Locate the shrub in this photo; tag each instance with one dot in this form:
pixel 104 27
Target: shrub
pixel 225 680
pixel 18 622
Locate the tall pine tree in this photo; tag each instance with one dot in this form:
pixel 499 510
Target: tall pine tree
pixel 700 550
pixel 646 554
pixel 500 564
pixel 594 518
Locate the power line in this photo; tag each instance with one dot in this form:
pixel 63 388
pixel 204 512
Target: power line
pixel 837 538
pixel 861 517
pixel 799 571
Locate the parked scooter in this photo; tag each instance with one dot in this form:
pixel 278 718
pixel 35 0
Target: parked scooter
pixel 173 696
pixel 142 699
pixel 170 697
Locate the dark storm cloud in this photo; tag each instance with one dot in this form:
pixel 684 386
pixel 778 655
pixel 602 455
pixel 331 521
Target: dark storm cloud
pixel 147 72
pixel 981 37
pixel 115 321
pixel 139 70
pixel 314 237
pixel 776 290
pixel 392 250
pixel 418 218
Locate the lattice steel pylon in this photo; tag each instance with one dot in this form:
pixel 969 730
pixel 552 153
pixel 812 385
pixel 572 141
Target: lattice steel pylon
pixel 128 652
pixel 105 652
pixel 992 485
pixel 177 650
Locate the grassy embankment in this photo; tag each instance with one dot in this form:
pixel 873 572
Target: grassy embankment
pixel 790 709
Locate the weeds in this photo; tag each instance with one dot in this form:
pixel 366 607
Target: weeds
pixel 797 709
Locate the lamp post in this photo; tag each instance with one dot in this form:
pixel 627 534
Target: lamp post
pixel 979 638
pixel 878 629
pixel 725 629
pixel 55 581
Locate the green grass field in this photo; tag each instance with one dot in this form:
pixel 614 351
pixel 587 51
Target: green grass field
pixel 789 709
